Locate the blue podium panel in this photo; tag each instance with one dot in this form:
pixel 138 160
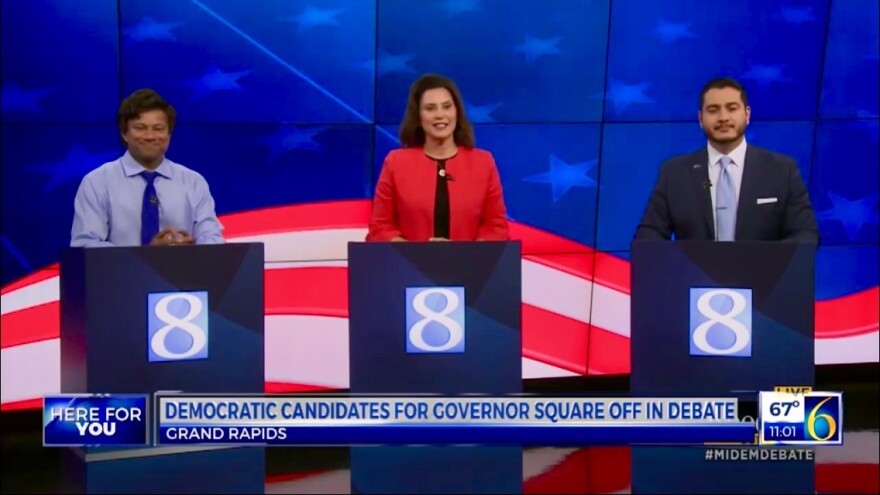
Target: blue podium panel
pixel 145 310
pixel 440 318
pixel 435 318
pixel 722 469
pixel 721 318
pixel 145 319
pixel 234 470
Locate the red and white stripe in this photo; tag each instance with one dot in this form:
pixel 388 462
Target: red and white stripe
pixel 575 307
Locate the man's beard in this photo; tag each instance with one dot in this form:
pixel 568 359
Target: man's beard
pixel 740 132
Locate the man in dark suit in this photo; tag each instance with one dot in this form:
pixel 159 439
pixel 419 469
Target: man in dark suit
pixel 729 190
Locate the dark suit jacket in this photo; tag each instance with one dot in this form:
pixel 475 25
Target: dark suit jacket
pixel 681 202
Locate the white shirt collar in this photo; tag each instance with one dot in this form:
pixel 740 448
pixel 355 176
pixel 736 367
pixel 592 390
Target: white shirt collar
pixel 132 167
pixel 737 155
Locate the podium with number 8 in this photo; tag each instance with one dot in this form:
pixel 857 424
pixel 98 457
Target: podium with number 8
pixel 724 319
pixel 137 320
pixel 721 318
pixel 440 318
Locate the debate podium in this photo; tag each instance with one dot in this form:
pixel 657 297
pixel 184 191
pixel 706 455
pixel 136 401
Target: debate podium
pixel 441 318
pixel 722 319
pixel 148 319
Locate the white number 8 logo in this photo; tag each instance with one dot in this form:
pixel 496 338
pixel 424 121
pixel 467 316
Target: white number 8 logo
pixel 740 331
pixel 199 338
pixel 417 332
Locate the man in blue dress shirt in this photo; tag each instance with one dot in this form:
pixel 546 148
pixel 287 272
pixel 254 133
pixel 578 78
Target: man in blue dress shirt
pixel 143 198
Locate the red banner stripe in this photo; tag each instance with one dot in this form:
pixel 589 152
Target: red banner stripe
pixel 850 315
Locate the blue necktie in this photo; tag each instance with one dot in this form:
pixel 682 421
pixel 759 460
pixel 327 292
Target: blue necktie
pixel 149 210
pixel 725 203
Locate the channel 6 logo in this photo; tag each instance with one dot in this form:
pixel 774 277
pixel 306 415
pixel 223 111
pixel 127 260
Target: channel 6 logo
pixel 721 322
pixel 822 419
pixel 435 320
pixel 177 326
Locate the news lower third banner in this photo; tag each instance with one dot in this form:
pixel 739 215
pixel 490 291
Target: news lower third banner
pixel 186 419
pixel 79 420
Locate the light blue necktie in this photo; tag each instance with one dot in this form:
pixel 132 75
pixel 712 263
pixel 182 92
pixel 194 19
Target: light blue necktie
pixel 725 203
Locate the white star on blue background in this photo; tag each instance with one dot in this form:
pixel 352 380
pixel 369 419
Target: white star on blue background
pixel 148 29
pixel 387 63
pixel 563 176
pixel 289 138
pixel 623 95
pixel 76 164
pixel 851 213
pixel 455 7
pixel 535 48
pixel 16 99
pixel 215 79
pixel 669 32
pixel 797 16
pixel 313 17
pixel 765 74
pixel 481 114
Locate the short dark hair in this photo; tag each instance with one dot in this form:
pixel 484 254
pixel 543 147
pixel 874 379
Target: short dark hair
pixel 144 100
pixel 724 82
pixel 411 132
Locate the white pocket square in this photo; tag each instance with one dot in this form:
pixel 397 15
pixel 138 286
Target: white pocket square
pixel 764 201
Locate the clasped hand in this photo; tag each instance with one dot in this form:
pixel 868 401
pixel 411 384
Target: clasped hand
pixel 170 236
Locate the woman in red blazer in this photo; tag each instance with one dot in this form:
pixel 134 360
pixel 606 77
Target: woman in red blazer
pixel 438 186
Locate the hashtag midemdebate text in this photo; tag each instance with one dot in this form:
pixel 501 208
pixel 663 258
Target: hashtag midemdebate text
pixel 759 454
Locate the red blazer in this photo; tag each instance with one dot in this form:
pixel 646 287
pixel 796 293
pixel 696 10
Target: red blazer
pixel 404 201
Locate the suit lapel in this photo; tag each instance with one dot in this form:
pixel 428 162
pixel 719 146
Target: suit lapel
pixel 747 193
pixel 700 176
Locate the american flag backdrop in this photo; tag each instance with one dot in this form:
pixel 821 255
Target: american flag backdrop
pixel 575 314
pixel 288 107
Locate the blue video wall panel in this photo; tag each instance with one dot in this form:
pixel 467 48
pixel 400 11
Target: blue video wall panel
pixel 852 61
pixel 846 270
pixel 550 175
pixel 661 54
pixel 286 163
pixel 42 169
pixel 523 61
pixel 60 61
pixel 265 61
pixel 845 186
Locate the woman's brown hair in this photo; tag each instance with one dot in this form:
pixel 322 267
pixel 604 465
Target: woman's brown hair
pixel 411 133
